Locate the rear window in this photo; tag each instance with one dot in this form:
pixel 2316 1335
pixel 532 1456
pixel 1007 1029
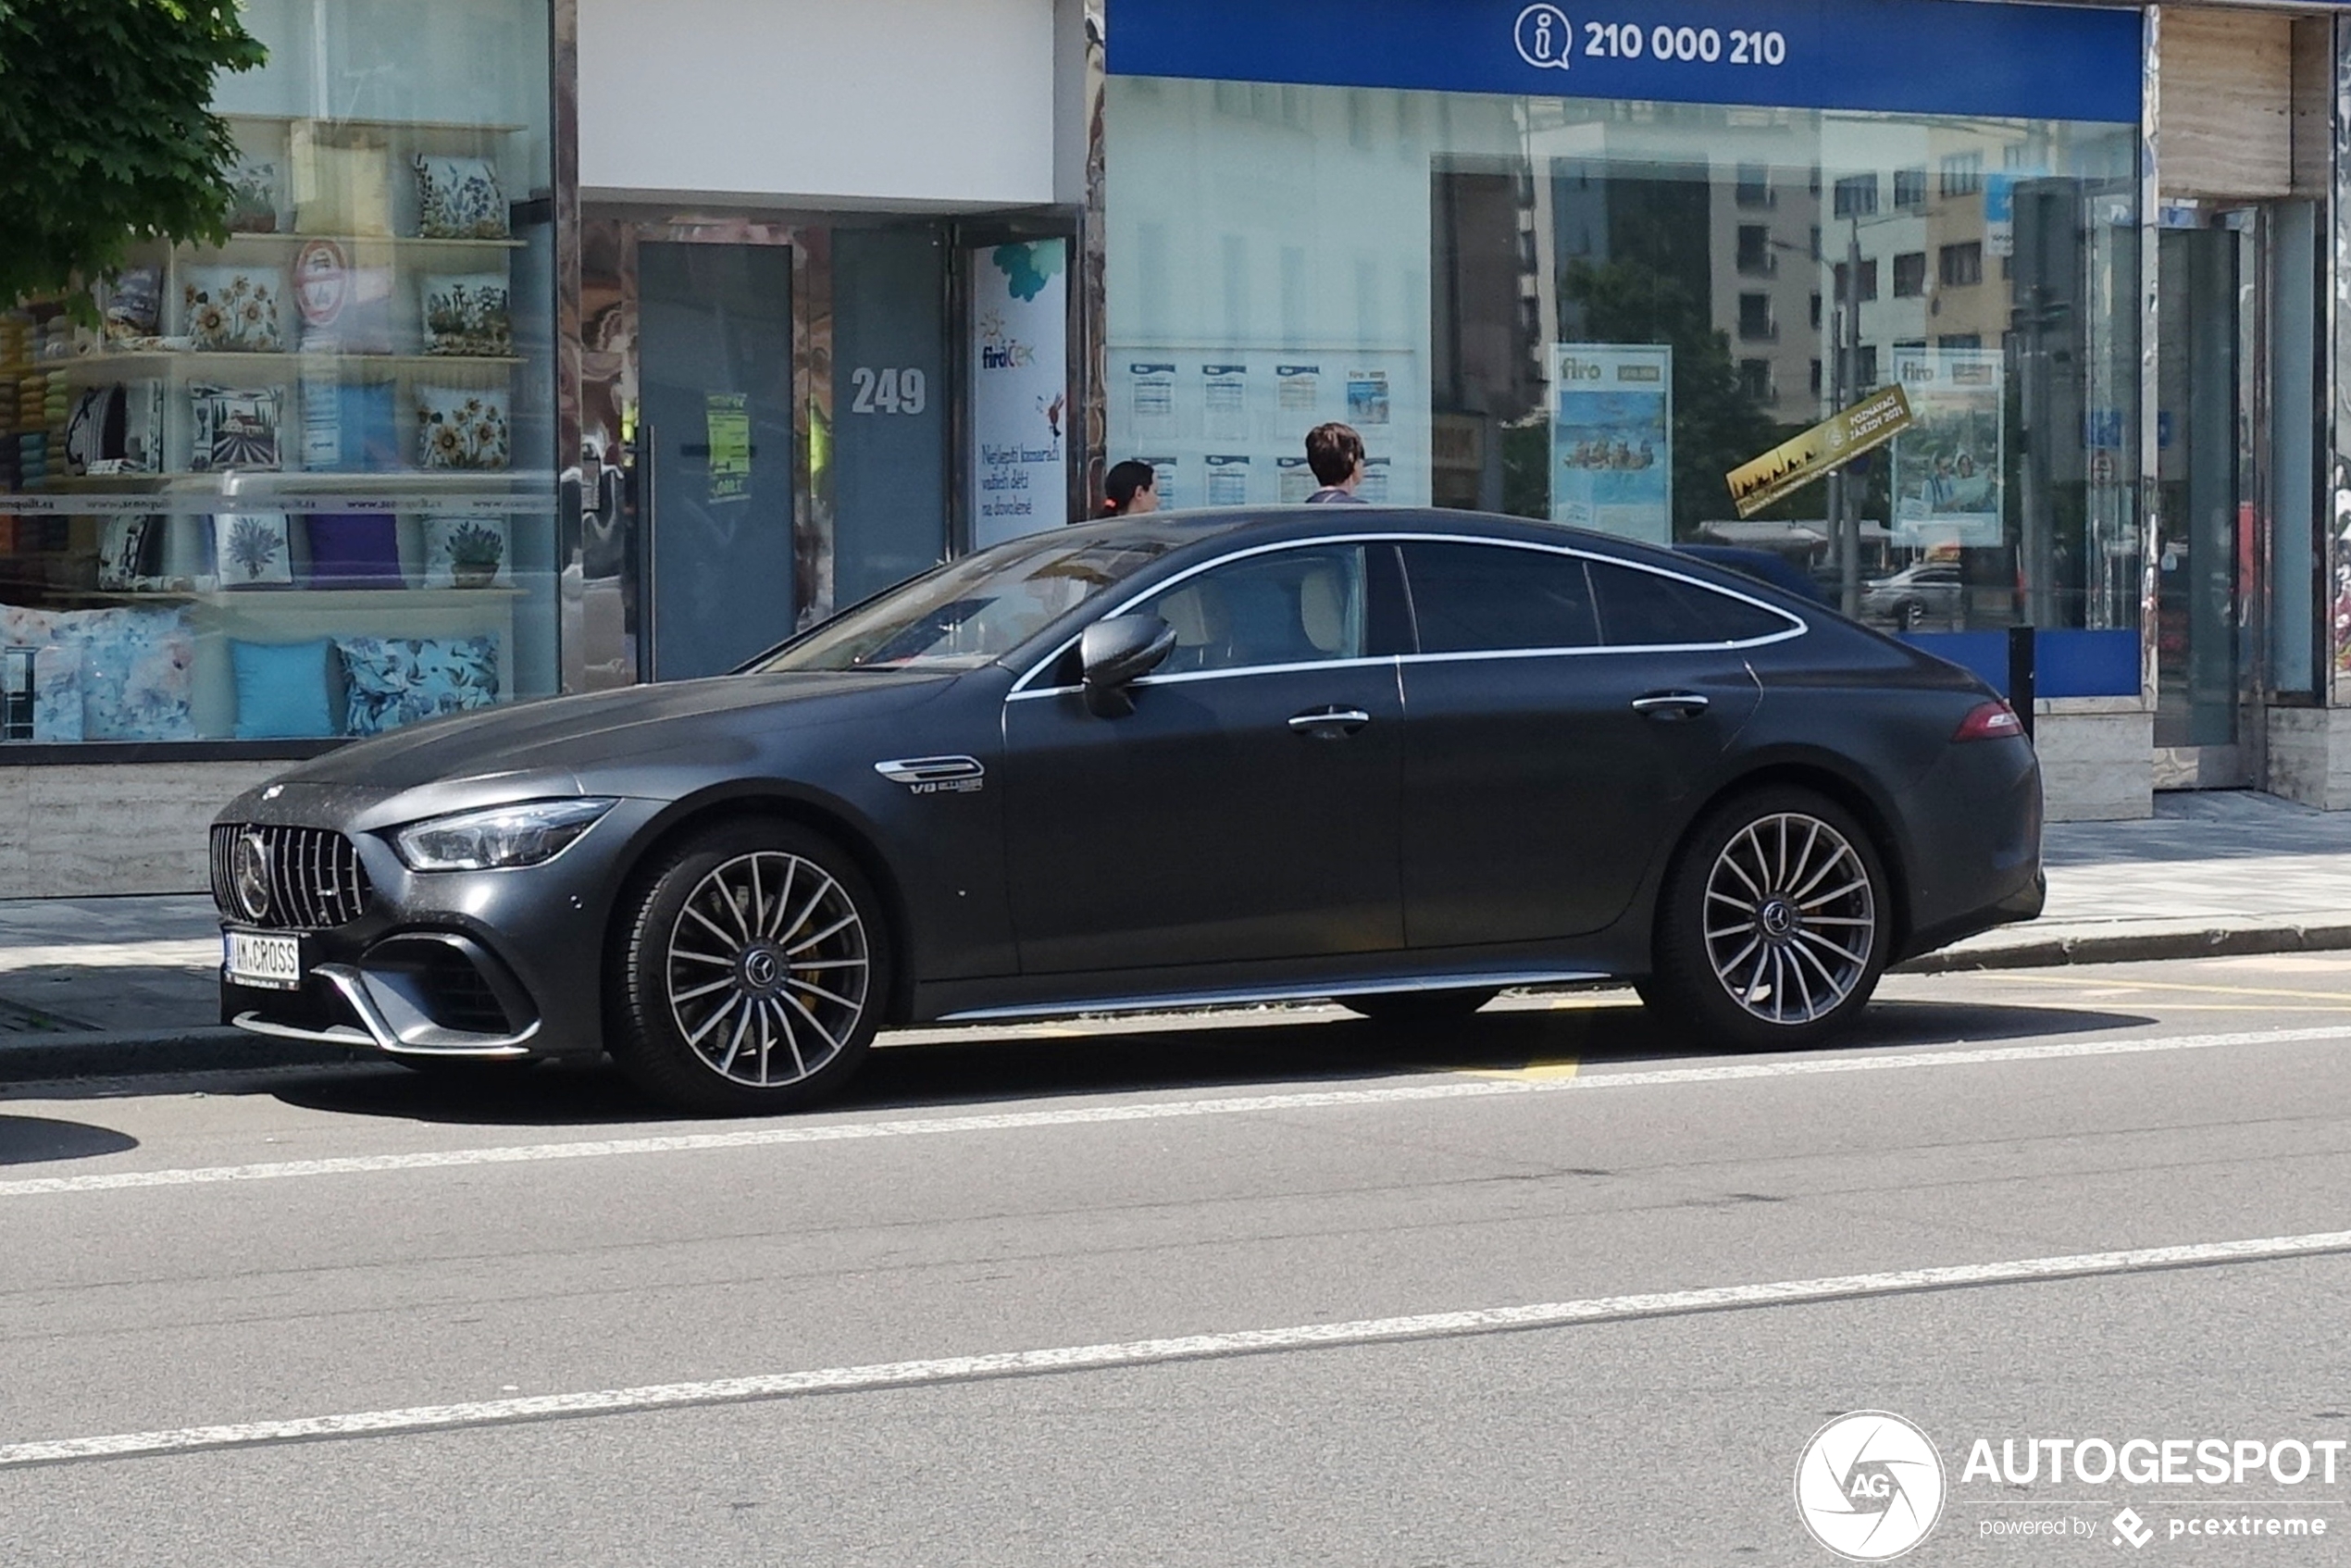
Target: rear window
pixel 1488 598
pixel 1642 609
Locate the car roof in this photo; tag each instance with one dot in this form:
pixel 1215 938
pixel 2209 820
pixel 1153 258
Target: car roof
pixel 1227 525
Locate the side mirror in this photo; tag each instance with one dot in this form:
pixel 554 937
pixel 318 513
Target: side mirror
pixel 1117 651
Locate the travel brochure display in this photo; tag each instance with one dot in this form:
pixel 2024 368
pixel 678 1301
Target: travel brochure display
pixel 1948 466
pixel 1019 356
pixel 1221 429
pixel 1613 438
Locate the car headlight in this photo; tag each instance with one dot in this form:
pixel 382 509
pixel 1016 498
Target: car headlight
pixel 529 834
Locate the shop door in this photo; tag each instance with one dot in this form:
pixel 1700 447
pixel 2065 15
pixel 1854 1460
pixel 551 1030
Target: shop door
pixel 715 454
pixel 2208 542
pixel 891 406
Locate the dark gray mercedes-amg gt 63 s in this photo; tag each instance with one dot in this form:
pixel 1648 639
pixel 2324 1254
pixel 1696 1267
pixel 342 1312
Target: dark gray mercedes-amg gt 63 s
pixel 1399 759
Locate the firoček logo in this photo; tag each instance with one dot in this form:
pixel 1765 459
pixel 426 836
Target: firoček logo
pixel 1870 1485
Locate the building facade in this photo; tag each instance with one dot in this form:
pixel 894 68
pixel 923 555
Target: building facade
pixel 569 344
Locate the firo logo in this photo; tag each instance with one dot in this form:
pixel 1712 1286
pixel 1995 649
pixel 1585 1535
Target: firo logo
pixel 1870 1485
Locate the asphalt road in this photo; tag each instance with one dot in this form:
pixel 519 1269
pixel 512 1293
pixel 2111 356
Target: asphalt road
pixel 1541 1289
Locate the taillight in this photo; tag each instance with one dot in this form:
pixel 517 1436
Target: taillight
pixel 1994 720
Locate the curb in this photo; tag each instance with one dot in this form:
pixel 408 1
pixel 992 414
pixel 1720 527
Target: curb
pixel 2180 940
pixel 220 1048
pixel 91 1055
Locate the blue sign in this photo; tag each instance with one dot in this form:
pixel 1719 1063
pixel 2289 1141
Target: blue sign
pixel 1898 57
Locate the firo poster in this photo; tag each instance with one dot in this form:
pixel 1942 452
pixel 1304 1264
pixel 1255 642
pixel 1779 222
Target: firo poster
pixel 1613 438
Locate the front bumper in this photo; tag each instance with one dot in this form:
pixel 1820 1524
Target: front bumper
pixel 479 963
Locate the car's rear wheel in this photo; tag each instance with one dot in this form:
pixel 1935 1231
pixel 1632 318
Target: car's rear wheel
pixel 1774 924
pixel 751 971
pixel 1408 1008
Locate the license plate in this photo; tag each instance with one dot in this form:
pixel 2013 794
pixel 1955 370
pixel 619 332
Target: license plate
pixel 255 958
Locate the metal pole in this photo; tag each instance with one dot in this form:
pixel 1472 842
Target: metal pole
pixel 1848 354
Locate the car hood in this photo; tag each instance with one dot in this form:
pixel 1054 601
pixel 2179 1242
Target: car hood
pixel 552 741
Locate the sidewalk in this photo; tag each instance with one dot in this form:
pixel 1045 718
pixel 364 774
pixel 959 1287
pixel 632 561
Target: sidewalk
pixel 104 984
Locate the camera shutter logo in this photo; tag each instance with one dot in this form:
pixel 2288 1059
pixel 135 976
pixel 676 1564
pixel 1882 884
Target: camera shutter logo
pixel 1870 1485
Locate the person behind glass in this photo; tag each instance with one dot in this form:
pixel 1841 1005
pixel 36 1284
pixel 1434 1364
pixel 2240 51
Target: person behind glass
pixel 1335 453
pixel 1129 490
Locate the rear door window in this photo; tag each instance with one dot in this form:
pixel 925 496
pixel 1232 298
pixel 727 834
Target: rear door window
pixel 1489 598
pixel 1644 609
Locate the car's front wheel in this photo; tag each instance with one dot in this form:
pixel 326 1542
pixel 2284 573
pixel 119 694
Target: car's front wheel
pixel 751 971
pixel 1774 924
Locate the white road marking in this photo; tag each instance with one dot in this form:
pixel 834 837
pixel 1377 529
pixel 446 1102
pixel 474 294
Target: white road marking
pixel 1452 1088
pixel 1145 1352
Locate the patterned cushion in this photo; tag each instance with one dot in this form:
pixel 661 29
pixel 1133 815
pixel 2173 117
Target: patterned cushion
pixel 461 428
pixel 401 680
pixel 232 307
pixel 458 198
pixel 137 674
pixel 466 314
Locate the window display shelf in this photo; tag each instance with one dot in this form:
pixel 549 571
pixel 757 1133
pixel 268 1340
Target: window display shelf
pixel 445 127
pixel 300 598
pixel 232 364
pixel 362 244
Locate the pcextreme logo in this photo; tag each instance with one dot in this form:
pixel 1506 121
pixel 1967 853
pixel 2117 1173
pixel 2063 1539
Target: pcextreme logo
pixel 1870 1485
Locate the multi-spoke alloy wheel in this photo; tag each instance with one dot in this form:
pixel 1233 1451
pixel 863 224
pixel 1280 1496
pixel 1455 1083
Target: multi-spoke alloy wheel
pixel 1773 924
pixel 752 975
pixel 1791 919
pixel 767 968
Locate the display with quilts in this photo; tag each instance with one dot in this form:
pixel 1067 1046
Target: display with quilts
pixel 285 456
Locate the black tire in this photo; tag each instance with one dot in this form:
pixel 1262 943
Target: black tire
pixel 1413 1009
pixel 1786 977
pixel 780 966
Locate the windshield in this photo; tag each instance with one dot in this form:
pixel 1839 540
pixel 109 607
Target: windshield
pixel 970 612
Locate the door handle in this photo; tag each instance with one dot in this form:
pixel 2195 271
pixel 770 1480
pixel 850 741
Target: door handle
pixel 1670 704
pixel 1329 724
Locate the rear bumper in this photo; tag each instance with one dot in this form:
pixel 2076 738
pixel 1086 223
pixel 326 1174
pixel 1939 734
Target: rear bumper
pixel 1973 828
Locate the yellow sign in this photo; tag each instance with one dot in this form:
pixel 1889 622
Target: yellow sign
pixel 727 416
pixel 1838 439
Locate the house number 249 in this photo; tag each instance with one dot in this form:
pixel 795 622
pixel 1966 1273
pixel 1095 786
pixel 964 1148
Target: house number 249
pixel 888 390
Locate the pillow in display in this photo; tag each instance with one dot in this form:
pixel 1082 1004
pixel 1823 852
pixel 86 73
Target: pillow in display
pixel 466 552
pixel 255 192
pixel 282 689
pixel 458 198
pixel 134 305
pixel 131 549
pixel 343 309
pixel 236 427
pixel 467 315
pixel 393 681
pixel 232 309
pixel 253 549
pixel 342 183
pixel 349 428
pixel 116 430
pixel 354 549
pixel 461 428
pixel 57 693
pixel 155 650
pixel 136 670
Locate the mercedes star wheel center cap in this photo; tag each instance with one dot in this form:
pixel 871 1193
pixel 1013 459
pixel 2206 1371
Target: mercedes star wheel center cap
pixel 1777 917
pixel 762 969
